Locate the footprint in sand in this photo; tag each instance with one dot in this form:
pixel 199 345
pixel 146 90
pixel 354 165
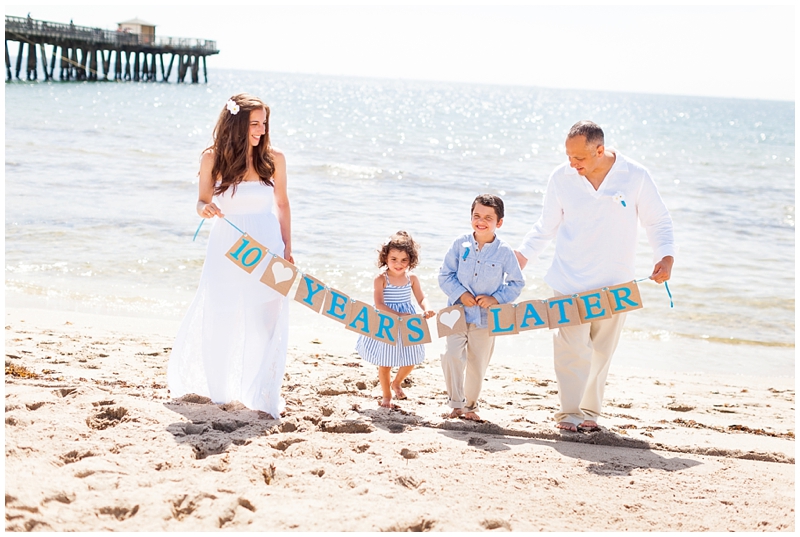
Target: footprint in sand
pixel 120 513
pixel 283 445
pixel 108 417
pixel 409 481
pixel 75 456
pixel 678 407
pixel 495 524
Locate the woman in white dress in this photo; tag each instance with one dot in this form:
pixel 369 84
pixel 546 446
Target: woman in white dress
pixel 231 345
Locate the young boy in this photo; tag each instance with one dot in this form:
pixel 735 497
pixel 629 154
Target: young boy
pixel 479 271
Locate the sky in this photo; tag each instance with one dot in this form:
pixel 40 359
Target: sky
pixel 742 51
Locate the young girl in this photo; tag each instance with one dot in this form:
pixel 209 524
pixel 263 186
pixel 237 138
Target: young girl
pixel 393 288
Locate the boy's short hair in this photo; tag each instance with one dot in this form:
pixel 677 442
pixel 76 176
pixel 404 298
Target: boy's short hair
pixel 490 200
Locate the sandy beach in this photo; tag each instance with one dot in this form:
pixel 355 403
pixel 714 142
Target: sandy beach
pixel 95 443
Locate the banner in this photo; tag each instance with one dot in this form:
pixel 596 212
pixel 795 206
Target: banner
pixel 310 292
pixel 247 253
pixel 280 275
pixel 451 321
pixel 624 297
pixel 336 305
pixel 503 320
pixel 563 311
pixel 532 315
pixel 594 306
pixel 364 319
pixel 414 330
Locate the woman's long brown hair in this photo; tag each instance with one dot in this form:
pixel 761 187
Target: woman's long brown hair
pixel 231 140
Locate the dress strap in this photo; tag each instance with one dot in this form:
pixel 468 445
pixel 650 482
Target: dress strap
pixel 386 277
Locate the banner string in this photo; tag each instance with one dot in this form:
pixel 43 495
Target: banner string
pixel 666 286
pixel 203 221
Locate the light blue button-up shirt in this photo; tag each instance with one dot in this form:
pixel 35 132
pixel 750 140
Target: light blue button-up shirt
pixel 493 271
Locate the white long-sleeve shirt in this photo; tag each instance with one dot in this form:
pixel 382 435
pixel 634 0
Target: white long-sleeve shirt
pixel 595 232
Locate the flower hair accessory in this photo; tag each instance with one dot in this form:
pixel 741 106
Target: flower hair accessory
pixel 620 198
pixel 232 107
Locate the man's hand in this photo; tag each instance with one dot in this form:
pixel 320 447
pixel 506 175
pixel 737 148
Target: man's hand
pixel 468 300
pixel 663 270
pixel 521 259
pixel 486 301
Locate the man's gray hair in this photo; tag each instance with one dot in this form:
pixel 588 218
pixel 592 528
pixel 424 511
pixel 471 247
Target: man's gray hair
pixel 591 130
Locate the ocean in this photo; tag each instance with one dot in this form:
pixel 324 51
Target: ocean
pixel 101 186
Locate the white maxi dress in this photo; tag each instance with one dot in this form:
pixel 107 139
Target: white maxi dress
pixel 231 346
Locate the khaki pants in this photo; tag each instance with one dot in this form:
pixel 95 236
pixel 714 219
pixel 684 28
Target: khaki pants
pixel 470 353
pixel 582 355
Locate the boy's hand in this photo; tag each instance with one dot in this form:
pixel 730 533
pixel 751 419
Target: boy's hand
pixel 428 314
pixel 486 301
pixel 468 300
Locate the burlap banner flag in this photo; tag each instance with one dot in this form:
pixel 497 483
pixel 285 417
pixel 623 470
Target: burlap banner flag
pixel 362 318
pixel 310 292
pixel 563 311
pixel 624 297
pixel 451 321
pixel 414 330
pixel 503 320
pixel 388 328
pixel 337 305
pixel 594 306
pixel 280 275
pixel 532 315
pixel 247 253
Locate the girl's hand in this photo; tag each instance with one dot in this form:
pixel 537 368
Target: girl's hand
pixel 209 210
pixel 486 301
pixel 428 314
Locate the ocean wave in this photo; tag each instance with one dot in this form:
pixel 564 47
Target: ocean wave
pixel 355 171
pixel 666 335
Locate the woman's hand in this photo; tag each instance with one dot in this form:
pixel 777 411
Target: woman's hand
pixel 208 210
pixel 287 255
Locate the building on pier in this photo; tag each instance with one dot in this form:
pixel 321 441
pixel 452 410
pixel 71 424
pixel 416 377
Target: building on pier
pixel 131 52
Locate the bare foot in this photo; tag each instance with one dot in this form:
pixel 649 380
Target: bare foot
pixel 456 413
pixel 567 426
pixel 398 392
pixel 386 402
pixel 472 416
pixel 589 424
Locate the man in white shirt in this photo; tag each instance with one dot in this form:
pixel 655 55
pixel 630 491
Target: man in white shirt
pixel 591 208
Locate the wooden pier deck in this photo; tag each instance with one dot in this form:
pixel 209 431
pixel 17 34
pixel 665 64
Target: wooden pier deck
pixel 91 53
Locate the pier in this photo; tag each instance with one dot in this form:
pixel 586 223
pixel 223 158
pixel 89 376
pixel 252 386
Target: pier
pixel 132 52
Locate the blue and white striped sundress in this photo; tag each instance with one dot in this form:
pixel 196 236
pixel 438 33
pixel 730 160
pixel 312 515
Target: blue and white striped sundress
pixel 382 354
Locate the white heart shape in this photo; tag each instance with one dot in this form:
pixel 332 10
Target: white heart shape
pixel 450 318
pixel 281 272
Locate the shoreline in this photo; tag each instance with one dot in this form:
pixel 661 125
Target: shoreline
pixel 635 353
pixel 96 443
